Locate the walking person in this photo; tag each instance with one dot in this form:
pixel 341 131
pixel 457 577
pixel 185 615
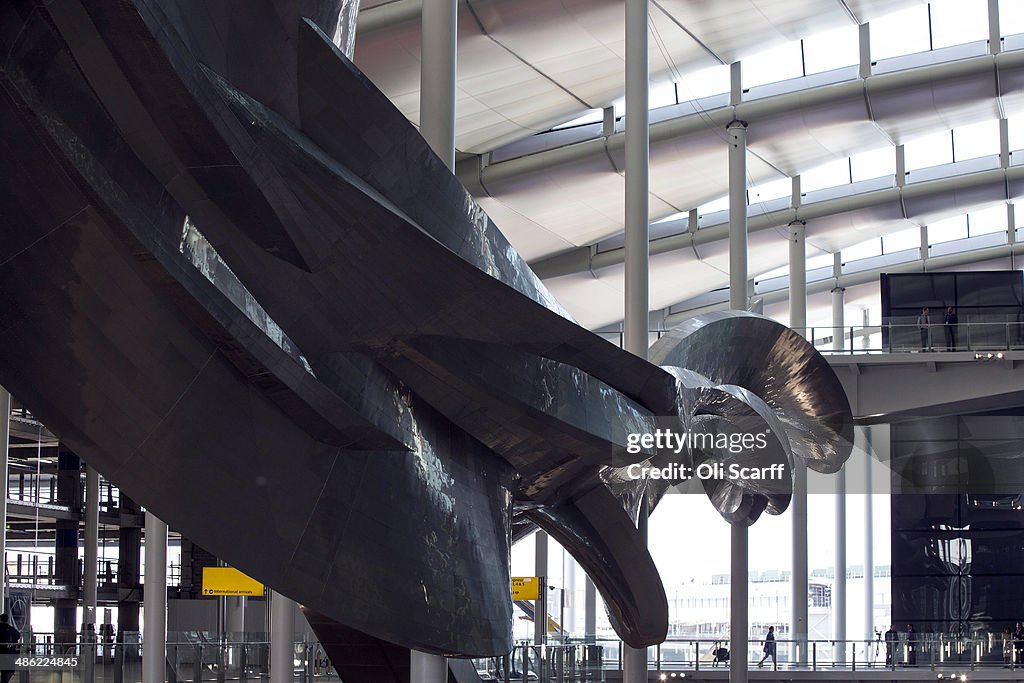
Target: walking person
pixel 911 645
pixel 892 639
pixel 1018 644
pixel 923 326
pixel 769 648
pixel 949 323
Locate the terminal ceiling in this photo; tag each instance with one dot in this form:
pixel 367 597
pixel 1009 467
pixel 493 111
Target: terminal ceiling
pixel 526 67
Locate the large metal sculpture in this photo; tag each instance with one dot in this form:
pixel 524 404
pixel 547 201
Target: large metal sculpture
pixel 239 283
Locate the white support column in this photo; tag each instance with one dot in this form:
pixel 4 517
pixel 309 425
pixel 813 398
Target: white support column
pixel 437 78
pixel 1004 143
pixel 234 618
pixel 839 583
pixel 995 43
pixel 865 341
pixel 569 593
pixel 865 50
pixel 92 539
pixel 154 637
pixel 637 234
pixel 838 319
pixel 738 616
pixel 426 668
pixel 540 616
pixel 737 136
pixel 608 126
pixel 437 125
pixel 637 246
pixel 589 611
pixel 735 84
pixel 798 278
pixel 282 640
pixel 798 506
pixel 901 166
pixel 924 248
pixel 1011 230
pixel 796 196
pixel 869 548
pixel 798 321
pixel 5 438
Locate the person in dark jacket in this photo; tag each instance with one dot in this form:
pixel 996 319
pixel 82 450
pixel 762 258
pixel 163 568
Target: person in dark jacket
pixel 10 638
pixel 1018 645
pixel 911 645
pixel 892 641
pixel 769 647
pixel 949 323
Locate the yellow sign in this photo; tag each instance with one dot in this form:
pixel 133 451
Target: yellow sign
pixel 524 587
pixel 229 581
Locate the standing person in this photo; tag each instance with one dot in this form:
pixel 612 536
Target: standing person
pixel 769 648
pixel 949 327
pixel 1018 644
pixel 1007 647
pixel 9 639
pixel 923 325
pixel 911 645
pixel 892 639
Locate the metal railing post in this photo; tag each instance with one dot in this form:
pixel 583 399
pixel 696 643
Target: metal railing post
pixel 814 656
pixel 851 340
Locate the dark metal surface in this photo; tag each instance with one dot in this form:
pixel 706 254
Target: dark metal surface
pixel 240 285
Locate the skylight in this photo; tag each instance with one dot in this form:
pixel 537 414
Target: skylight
pixel 900 33
pixel 954 22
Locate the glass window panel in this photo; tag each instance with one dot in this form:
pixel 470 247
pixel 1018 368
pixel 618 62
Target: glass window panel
pixel 661 94
pixel 872 247
pixel 713 80
pixel 777 272
pixel 976 140
pixel 820 261
pixel 874 163
pixel 832 174
pixel 985 221
pixel 958 21
pixel 773 189
pixel 833 49
pixel 904 239
pixel 947 230
pixel 720 204
pixel 929 150
pixel 1015 130
pixel 900 33
pixel 1011 17
pixel 777 64
pixel 592 116
pixel 672 217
